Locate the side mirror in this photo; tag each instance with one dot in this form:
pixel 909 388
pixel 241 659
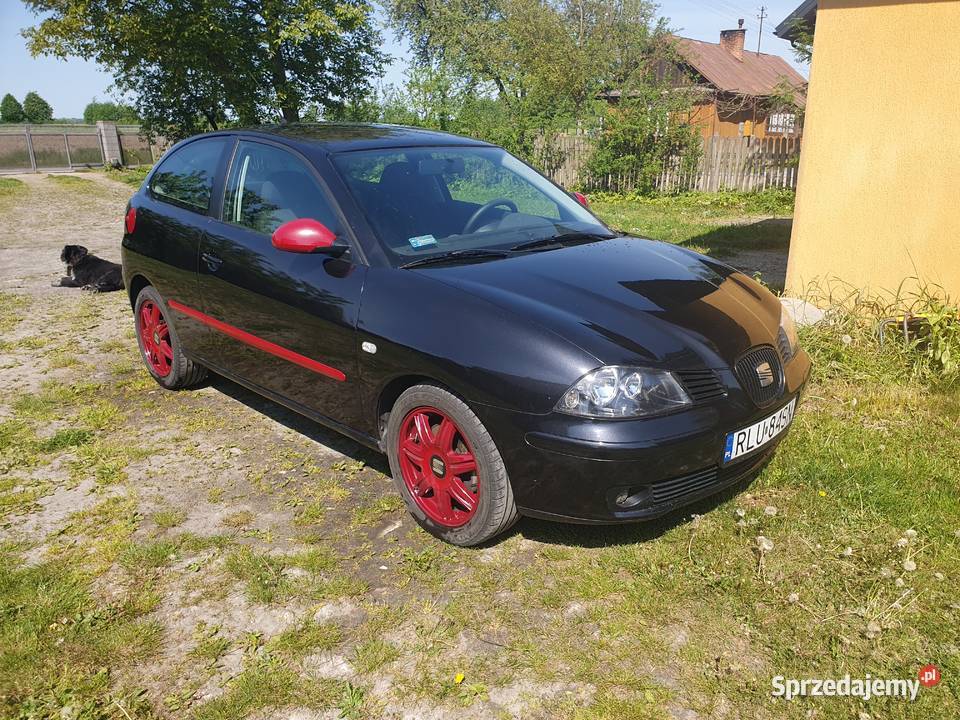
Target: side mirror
pixel 580 198
pixel 305 235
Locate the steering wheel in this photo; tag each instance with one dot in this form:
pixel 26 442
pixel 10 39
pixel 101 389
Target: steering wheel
pixel 474 222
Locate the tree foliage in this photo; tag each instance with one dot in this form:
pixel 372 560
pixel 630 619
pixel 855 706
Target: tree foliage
pixel 115 112
pixel 11 111
pixel 802 40
pixel 195 65
pixel 518 72
pixel 36 109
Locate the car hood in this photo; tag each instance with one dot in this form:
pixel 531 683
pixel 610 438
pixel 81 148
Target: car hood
pixel 630 300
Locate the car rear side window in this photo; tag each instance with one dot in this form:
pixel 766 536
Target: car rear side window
pixel 187 175
pixel 269 186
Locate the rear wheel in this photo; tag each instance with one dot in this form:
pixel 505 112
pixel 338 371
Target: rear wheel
pixel 160 346
pixel 447 467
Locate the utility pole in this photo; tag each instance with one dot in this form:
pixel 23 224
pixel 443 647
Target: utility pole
pixel 761 16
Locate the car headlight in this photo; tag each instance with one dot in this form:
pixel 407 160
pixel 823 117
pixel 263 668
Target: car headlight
pixel 618 391
pixel 787 336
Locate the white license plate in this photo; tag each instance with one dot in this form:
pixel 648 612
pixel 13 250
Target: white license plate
pixel 746 440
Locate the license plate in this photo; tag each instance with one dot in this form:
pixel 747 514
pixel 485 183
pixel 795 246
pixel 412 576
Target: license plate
pixel 746 440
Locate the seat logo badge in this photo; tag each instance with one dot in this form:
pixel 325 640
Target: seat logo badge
pixel 368 347
pixel 765 374
pixel 436 464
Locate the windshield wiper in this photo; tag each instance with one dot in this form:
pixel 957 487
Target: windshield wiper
pixel 560 241
pixel 456 255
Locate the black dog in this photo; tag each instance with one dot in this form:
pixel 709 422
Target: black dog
pixel 88 271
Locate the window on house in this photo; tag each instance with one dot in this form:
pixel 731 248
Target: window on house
pixel 781 123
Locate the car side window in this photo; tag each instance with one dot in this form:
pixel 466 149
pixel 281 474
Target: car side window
pixel 268 186
pixel 186 176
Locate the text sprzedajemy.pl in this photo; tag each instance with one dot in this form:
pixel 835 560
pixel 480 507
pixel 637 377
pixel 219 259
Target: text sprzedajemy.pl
pixel 866 687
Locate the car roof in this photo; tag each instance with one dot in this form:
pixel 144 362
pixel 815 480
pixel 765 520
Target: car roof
pixel 334 137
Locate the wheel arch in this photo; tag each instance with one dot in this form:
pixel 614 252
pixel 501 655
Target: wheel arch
pixel 395 388
pixel 137 283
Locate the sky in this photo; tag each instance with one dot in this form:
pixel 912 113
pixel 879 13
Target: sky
pixel 68 85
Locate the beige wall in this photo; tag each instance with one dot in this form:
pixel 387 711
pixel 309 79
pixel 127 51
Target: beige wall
pixel 879 185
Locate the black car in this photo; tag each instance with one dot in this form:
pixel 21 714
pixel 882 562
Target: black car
pixel 435 298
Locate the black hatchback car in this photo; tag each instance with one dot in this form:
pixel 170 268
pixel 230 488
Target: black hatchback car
pixel 435 298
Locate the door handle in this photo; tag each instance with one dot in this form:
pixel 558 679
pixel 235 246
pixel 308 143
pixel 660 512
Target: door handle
pixel 212 261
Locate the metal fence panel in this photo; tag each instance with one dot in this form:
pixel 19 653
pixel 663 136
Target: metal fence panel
pixel 135 148
pixel 50 151
pixel 14 153
pixel 85 149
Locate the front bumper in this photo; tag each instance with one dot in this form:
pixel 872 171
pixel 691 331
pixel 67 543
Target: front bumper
pixel 573 469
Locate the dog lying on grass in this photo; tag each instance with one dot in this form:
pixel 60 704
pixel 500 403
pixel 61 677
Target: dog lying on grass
pixel 88 271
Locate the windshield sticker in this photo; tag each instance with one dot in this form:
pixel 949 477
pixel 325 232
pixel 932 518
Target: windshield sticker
pixel 422 241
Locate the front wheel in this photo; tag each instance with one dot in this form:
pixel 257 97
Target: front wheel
pixel 160 346
pixel 447 468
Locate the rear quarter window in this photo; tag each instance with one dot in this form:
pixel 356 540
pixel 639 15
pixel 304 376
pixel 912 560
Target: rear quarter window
pixel 186 176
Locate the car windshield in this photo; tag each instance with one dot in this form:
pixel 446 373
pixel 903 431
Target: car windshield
pixel 432 201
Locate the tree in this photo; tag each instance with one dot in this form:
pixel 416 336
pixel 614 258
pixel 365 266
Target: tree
pixel 115 112
pixel 518 72
pixel 199 64
pixel 11 111
pixel 801 40
pixel 36 109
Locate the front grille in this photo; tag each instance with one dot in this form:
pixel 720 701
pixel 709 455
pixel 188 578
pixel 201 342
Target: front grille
pixel 746 370
pixel 783 345
pixel 667 491
pixel 701 385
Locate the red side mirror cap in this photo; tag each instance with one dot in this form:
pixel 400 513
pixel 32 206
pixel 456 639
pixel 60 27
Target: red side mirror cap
pixel 303 235
pixel 581 198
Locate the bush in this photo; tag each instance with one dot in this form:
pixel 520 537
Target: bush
pixel 115 112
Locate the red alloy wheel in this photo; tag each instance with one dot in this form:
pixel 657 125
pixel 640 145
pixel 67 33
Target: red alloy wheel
pixel 439 467
pixel 155 337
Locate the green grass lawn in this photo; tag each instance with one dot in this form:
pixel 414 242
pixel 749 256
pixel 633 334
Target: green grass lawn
pixel 714 223
pixel 125 509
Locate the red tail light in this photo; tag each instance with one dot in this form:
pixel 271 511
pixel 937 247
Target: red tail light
pixel 581 198
pixel 130 221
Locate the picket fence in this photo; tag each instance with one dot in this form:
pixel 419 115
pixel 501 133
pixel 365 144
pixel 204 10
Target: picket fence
pixel 723 163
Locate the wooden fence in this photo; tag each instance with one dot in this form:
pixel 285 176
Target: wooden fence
pixel 722 164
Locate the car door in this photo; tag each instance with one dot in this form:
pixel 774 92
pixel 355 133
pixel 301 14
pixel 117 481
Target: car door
pixel 287 320
pixel 171 218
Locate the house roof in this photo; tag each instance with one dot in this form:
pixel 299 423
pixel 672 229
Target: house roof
pixel 756 74
pixel 806 11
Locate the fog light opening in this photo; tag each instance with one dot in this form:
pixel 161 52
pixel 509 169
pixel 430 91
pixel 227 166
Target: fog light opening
pixel 630 497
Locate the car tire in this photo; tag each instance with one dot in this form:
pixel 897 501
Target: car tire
pixel 426 473
pixel 159 344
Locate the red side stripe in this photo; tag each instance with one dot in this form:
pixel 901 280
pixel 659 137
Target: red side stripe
pixel 259 343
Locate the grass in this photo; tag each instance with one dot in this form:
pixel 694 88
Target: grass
pixel 72 182
pixel 133 177
pixel 590 623
pixel 715 223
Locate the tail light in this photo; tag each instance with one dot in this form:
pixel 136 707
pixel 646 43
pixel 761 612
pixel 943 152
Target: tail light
pixel 130 221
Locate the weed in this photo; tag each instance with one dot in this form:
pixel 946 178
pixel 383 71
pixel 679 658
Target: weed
pixel 169 518
pixel 262 574
pixel 373 654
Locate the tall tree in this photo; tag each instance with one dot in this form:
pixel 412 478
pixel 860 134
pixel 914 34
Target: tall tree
pixel 11 111
pixel 36 109
pixel 197 64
